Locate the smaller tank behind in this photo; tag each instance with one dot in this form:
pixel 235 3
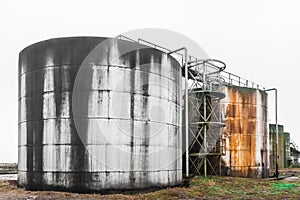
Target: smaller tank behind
pixel 283 139
pixel 287 151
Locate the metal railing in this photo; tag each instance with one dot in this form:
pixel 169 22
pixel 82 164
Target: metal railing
pixel 229 78
pixel 120 37
pixel 235 80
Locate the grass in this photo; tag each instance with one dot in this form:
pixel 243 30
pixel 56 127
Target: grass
pixel 243 188
pixel 232 188
pixel 200 188
pixel 294 166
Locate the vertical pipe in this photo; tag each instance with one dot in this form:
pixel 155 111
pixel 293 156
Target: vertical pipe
pixel 205 125
pixel 204 137
pixel 277 152
pixel 180 108
pixel 186 108
pixel 186 115
pixel 276 121
pixel 220 138
pixel 220 166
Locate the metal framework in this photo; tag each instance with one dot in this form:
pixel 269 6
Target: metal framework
pixel 202 121
pixel 205 120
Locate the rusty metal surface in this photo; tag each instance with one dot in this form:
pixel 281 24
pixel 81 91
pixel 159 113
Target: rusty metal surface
pixel 245 114
pixel 52 152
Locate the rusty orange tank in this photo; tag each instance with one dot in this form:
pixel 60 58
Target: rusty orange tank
pixel 245 114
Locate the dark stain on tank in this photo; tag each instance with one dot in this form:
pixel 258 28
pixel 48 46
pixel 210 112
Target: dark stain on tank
pixel 78 154
pixel 176 81
pixel 34 130
pixel 144 77
pixel 58 99
pixel 29 140
pixel 152 56
pixel 132 66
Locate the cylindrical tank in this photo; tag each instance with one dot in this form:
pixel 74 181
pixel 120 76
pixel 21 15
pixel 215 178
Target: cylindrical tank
pixel 287 151
pixel 272 144
pixel 98 114
pixel 245 114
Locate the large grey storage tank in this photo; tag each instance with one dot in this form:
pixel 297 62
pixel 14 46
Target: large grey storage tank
pixel 111 124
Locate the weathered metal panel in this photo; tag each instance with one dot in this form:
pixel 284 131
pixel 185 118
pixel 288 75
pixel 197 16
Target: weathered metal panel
pixel 287 151
pixel 125 131
pixel 245 114
pixel 272 144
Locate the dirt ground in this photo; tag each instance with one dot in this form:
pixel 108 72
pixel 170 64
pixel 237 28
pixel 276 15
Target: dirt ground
pixel 200 188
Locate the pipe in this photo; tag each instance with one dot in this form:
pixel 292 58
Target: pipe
pixel 186 108
pixel 205 120
pixel 186 115
pixel 276 121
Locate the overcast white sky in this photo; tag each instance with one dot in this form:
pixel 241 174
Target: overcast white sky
pixel 258 40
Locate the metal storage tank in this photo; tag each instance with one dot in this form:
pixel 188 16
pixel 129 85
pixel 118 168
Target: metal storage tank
pixel 287 151
pixel 245 114
pixel 113 126
pixel 272 144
